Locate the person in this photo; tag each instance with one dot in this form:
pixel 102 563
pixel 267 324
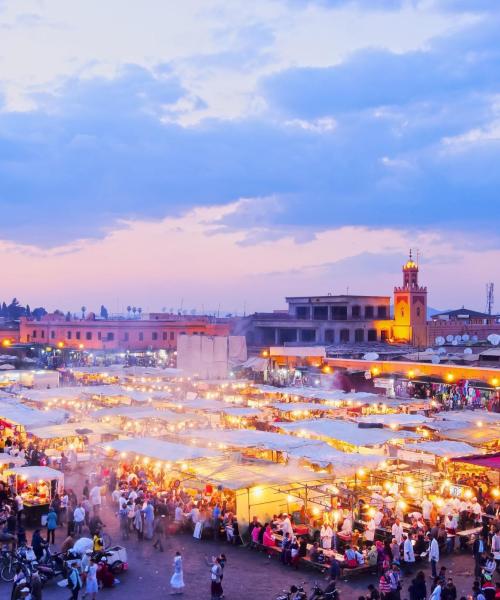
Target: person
pixel 408 554
pixel 373 593
pixel 38 544
pixel 436 591
pixel 433 555
pixel 418 587
pixel 95 498
pixel 177 579
pixel 449 591
pixel 397 531
pixel 51 525
pixel 286 526
pixel 159 531
pixel 79 519
pixel 149 517
pixel 384 587
pixel 369 534
pixel 18 581
pixel 139 523
pixel 91 587
pixel 334 569
pixel 36 585
pixel 215 578
pixel 74 581
pixel 268 539
pixel 326 535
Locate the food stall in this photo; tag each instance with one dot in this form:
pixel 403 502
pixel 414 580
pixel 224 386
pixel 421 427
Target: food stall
pixel 36 486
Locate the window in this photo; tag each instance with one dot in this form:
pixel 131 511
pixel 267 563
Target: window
pixel 52 334
pixel 154 335
pixel 172 335
pixel 330 336
pixel 402 312
pixel 141 336
pixel 307 335
pixel 339 313
pixel 110 336
pixel 381 312
pixel 164 335
pixel 42 333
pixel 320 313
pixel 369 312
pixel 359 335
pixel 372 335
pixel 303 312
pixel 69 335
pixel 99 335
pixel 418 311
pixel 384 335
pixel 34 333
pixel 356 312
pixel 88 335
pixel 78 335
pixel 287 335
pixel 344 335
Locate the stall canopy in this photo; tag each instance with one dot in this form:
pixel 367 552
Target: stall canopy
pixel 7 459
pixel 444 448
pixel 473 435
pixel 256 363
pixel 288 407
pixel 471 416
pixel 143 412
pixel 242 411
pixel 343 431
pixel 159 449
pixel 79 392
pixel 37 474
pixel 399 420
pixel 65 430
pixel 234 476
pixel 19 414
pixel 488 461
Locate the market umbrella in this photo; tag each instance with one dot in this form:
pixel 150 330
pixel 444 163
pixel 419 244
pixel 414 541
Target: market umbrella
pixel 6 367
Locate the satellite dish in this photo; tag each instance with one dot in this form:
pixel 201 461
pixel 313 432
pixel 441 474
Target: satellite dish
pixel 370 356
pixel 494 339
pixel 474 338
pixel 467 350
pixel 435 359
pixel 466 337
pixel 429 350
pixel 458 338
pixel 440 340
pixel 449 338
pixel 441 351
pixel 454 342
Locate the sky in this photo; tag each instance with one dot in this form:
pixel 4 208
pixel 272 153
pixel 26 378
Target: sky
pixel 212 154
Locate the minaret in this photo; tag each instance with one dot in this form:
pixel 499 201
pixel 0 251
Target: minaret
pixel 410 307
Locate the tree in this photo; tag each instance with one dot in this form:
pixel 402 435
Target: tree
pixel 139 310
pixel 38 313
pixel 84 308
pixel 104 312
pixel 68 316
pixel 28 310
pixel 129 310
pixel 134 310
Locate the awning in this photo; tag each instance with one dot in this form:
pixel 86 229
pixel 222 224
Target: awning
pixel 490 461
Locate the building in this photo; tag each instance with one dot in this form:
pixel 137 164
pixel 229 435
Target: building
pixel 345 319
pixel 462 321
pixel 410 307
pixel 156 332
pixel 9 333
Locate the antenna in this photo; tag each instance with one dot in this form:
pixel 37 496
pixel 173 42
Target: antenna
pixel 490 297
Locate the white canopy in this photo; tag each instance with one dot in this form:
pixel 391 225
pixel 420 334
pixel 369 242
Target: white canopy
pixel 19 414
pixel 242 411
pixel 159 449
pixel 236 476
pixel 7 459
pixel 300 406
pixel 398 419
pixel 65 430
pixel 343 463
pixel 36 474
pixel 89 391
pixel 144 412
pixel 471 416
pixel 247 438
pixel 444 448
pixel 473 435
pixel 343 431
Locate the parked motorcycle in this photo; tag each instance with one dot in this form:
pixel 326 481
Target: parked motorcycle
pixel 329 593
pixel 295 593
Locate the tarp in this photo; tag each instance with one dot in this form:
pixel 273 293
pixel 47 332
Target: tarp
pixel 473 435
pixel 288 407
pixel 71 430
pixel 397 419
pixel 143 412
pixel 242 411
pixel 444 448
pixel 488 461
pixel 471 416
pixel 256 363
pixel 159 449
pixel 19 414
pixel 343 431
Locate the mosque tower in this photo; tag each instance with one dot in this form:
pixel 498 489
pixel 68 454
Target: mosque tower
pixel 410 307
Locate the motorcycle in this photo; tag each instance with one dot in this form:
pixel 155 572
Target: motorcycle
pixel 295 593
pixel 330 593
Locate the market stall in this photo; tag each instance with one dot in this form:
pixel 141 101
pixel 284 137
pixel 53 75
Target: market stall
pixel 36 486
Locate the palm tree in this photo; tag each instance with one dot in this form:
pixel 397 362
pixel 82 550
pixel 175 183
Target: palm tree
pixel 129 308
pixel 139 310
pixel 84 308
pixel 134 310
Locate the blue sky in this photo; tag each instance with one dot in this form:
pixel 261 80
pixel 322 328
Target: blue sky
pixel 249 127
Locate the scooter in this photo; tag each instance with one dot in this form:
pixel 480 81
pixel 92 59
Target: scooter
pixel 330 593
pixel 295 593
